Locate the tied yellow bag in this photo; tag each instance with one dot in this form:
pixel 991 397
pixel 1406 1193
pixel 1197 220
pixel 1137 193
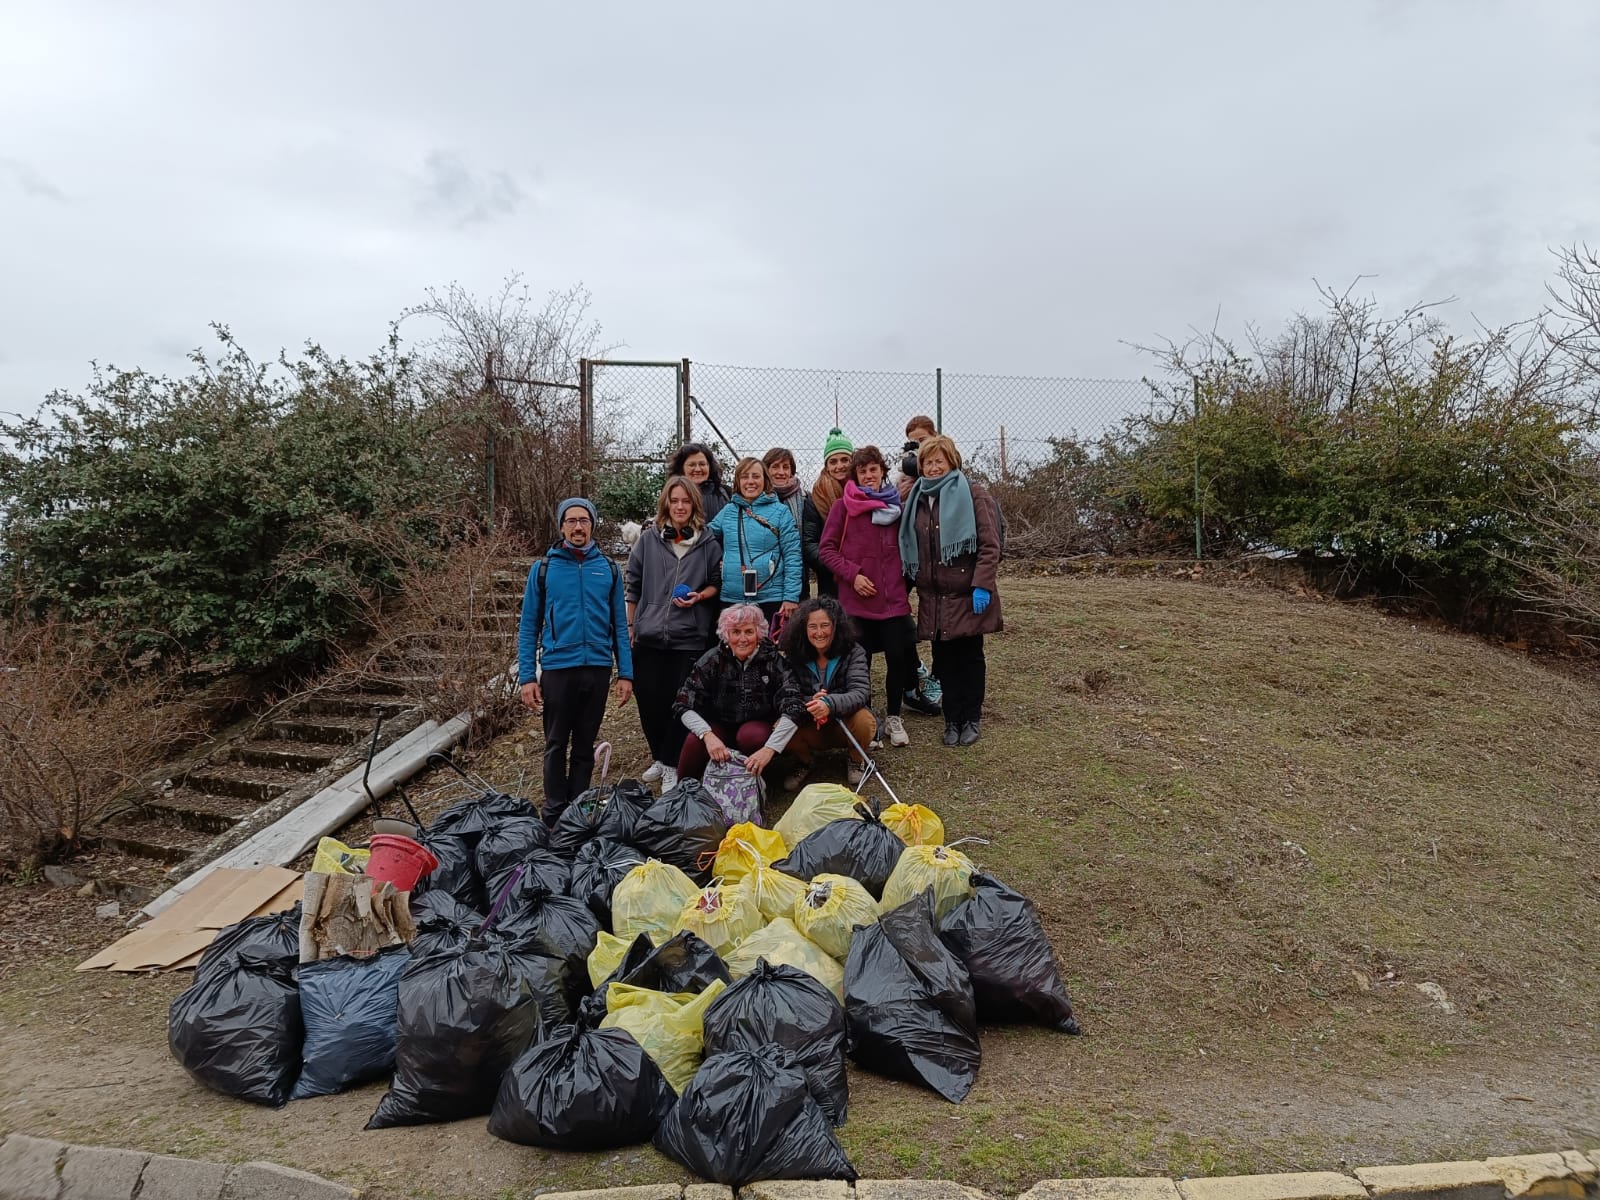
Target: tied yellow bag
pixel 832 906
pixel 948 872
pixel 649 899
pixel 606 956
pixel 746 848
pixel 814 807
pixel 781 942
pixel 776 893
pixel 914 824
pixel 670 1028
pixel 333 857
pixel 722 916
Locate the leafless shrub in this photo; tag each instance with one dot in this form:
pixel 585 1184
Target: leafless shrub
pixel 444 622
pixel 78 728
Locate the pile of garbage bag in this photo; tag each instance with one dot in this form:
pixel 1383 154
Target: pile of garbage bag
pixel 644 972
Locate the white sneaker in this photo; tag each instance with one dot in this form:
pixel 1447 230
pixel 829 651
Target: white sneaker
pixel 653 772
pixel 896 729
pixel 669 777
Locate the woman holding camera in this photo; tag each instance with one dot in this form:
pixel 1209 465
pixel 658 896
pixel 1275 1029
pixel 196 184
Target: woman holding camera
pixel 861 546
pixel 950 546
pixel 760 545
pixel 671 589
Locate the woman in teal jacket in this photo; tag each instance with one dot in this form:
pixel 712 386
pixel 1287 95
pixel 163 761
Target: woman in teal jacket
pixel 760 545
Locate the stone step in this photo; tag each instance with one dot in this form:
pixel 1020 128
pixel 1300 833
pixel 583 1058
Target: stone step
pixel 202 819
pixel 354 704
pixel 290 755
pixel 158 838
pixel 205 808
pixel 324 728
pixel 250 783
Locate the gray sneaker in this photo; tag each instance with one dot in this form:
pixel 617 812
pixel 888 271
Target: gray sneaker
pixel 896 729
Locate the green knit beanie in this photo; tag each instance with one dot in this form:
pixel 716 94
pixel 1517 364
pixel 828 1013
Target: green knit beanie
pixel 835 443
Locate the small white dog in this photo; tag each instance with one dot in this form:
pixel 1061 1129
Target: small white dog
pixel 630 533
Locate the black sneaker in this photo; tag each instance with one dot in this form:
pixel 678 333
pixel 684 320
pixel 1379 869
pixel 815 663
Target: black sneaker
pixel 969 733
pixel 952 733
pixel 918 703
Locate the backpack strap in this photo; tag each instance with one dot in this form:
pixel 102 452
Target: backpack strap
pixel 538 629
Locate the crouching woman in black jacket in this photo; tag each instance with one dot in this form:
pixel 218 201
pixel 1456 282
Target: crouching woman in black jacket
pixel 740 696
pixel 834 675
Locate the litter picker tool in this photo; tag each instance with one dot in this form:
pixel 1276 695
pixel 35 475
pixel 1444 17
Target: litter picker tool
pixel 869 768
pixel 387 825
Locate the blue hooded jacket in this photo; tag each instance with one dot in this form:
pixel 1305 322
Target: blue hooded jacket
pixel 585 616
pixel 771 544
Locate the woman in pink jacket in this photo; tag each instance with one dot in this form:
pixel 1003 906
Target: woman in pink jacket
pixel 861 546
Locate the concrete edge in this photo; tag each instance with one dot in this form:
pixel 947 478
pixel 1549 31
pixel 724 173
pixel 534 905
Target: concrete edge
pixel 34 1168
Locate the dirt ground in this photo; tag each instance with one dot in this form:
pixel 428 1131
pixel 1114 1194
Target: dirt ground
pixel 1253 823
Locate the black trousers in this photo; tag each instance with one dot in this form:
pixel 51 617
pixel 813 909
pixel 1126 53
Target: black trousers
pixel 960 667
pixel 896 639
pixel 657 676
pixel 574 706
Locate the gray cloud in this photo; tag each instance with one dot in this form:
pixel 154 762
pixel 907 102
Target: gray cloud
pixel 31 182
pixel 463 197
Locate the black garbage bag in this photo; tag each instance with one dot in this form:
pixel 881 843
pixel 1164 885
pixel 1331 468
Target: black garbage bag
pixel 237 1028
pixel 442 921
pixel 749 1115
pixel 472 818
pixel 865 850
pixel 582 1089
pixel 908 1002
pixel 505 844
pixel 683 827
pixel 998 937
pixel 597 870
pixel 463 1018
pixel 783 1006
pixel 456 875
pixel 542 867
pixel 559 926
pixel 349 1007
pixel 682 963
pixel 276 935
pixel 610 812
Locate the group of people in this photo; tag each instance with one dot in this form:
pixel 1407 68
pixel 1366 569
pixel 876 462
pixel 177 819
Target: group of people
pixel 714 630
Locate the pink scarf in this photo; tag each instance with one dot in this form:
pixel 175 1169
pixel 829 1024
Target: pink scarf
pixel 859 502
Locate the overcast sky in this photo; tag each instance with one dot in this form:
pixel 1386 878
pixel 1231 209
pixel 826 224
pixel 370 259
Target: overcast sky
pixel 1010 188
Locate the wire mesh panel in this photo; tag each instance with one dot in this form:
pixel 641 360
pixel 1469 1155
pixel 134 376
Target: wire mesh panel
pixel 1011 423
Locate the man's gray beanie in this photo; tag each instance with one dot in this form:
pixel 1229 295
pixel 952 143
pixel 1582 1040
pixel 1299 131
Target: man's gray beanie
pixel 580 502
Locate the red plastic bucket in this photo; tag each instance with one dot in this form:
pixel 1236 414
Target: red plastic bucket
pixel 399 860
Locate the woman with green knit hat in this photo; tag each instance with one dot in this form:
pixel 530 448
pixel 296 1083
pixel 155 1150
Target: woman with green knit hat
pixel 836 452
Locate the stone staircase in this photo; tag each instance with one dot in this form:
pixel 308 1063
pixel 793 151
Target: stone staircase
pixel 200 805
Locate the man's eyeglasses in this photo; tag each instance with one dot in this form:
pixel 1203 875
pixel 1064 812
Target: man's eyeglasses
pixel 577 521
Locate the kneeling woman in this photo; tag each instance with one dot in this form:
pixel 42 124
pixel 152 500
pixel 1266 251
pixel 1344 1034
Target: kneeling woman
pixel 739 696
pixel 835 677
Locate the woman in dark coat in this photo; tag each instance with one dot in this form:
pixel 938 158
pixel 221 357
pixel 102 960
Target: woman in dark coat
pixel 825 493
pixel 950 545
pixel 694 461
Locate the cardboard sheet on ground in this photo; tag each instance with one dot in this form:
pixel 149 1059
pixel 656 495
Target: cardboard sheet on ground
pixel 175 938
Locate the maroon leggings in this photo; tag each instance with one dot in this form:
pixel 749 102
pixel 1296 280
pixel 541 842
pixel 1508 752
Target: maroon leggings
pixel 751 736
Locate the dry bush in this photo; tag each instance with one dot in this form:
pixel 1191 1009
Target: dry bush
pixel 439 623
pixel 78 727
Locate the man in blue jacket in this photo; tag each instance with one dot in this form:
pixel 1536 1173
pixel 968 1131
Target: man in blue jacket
pixel 574 627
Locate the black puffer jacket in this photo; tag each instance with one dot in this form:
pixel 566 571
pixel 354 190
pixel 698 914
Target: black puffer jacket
pixel 727 692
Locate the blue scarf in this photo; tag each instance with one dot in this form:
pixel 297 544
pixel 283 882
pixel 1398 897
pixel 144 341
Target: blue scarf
pixel 958 523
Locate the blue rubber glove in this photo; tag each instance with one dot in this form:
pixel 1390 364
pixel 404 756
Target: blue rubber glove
pixel 980 599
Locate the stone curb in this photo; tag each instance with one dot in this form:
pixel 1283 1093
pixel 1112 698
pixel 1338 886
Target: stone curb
pixel 40 1169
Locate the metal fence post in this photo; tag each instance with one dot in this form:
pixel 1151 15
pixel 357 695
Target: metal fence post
pixel 489 448
pixel 585 425
pixel 683 417
pixel 1199 550
pixel 938 399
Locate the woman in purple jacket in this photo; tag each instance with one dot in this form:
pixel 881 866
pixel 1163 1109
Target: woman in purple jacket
pixel 861 546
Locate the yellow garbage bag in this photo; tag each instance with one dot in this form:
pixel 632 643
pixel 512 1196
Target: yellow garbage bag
pixel 745 848
pixel 333 857
pixel 670 1028
pixel 606 956
pixel 781 942
pixel 831 908
pixel 948 872
pixel 814 807
pixel 722 915
pixel 775 892
pixel 914 824
pixel 649 899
